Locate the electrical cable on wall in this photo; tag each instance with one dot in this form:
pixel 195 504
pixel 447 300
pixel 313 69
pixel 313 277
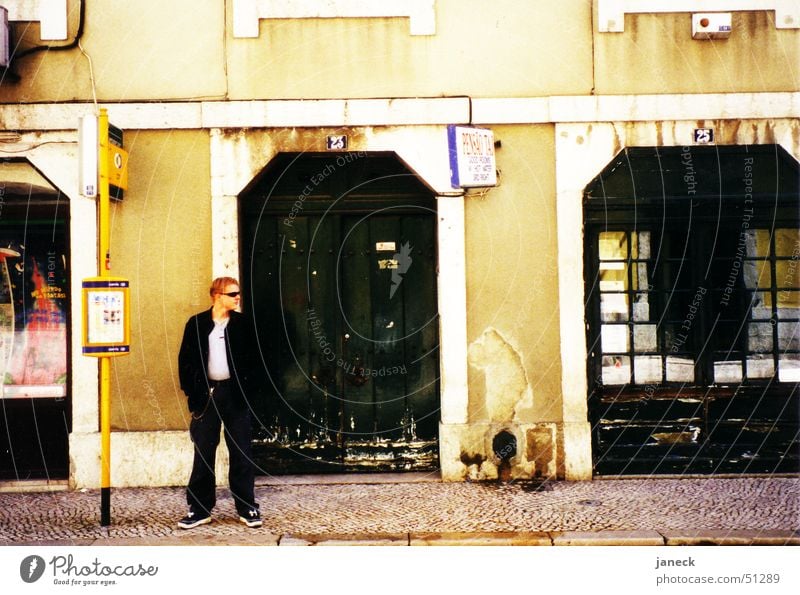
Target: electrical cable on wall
pixel 91 78
pixel 37 145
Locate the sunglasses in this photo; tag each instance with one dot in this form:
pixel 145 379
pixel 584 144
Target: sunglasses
pixel 231 294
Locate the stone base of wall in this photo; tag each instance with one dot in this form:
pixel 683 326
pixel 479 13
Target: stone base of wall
pixel 138 459
pixel 467 452
pixel 474 451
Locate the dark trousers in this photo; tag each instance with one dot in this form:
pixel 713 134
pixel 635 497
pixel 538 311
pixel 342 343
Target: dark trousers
pixel 204 429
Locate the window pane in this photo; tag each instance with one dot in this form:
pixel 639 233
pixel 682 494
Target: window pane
pixel 760 366
pixel 614 338
pixel 787 243
pixel 760 305
pixel 760 337
pixel 757 242
pixel 641 245
pixel 647 369
pixel 789 368
pixel 613 307
pixel 680 369
pixel 788 339
pixel 788 273
pixel 788 304
pixel 641 307
pixel 676 337
pixel 640 280
pixel 644 338
pixel 613 245
pixel 727 372
pixel 757 274
pixel 616 369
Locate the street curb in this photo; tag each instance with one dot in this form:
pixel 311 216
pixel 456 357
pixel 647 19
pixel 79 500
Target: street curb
pixel 732 537
pixel 480 538
pixel 392 539
pixel 607 538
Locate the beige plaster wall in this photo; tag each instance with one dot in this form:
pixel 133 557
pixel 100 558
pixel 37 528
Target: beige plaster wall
pixel 138 50
pixel 160 240
pixel 656 54
pixel 512 285
pixel 503 48
pixel 185 49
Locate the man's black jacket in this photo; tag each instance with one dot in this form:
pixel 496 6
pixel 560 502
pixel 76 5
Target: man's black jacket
pixel 193 358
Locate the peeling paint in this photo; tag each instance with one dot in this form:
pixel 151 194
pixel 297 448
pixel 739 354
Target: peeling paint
pixel 507 387
pixel 541 451
pixel 689 437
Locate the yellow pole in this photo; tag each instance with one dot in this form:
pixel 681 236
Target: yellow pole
pixel 105 362
pixel 104 192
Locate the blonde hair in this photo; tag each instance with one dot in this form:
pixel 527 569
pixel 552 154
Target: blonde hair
pixel 218 285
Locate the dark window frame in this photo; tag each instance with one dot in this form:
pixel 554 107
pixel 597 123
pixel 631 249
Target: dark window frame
pixel 616 201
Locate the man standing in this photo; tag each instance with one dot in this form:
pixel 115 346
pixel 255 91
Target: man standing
pixel 215 371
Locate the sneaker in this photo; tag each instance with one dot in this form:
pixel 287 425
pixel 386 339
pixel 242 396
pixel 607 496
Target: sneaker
pixel 251 518
pixel 194 519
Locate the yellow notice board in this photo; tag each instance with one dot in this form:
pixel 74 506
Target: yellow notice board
pixel 106 316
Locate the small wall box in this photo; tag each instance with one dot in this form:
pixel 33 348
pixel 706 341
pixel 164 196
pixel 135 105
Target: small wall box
pixel 711 25
pixel 106 316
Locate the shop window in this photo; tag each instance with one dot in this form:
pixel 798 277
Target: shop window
pixel 34 285
pixel 670 316
pixel 693 276
pixel 693 310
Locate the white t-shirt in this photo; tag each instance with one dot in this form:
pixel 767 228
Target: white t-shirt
pixel 217 358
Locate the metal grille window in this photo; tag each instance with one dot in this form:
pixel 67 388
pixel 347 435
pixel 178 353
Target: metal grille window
pixel 651 310
pixel 693 309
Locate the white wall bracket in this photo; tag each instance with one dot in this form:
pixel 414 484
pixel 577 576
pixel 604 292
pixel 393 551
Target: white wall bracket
pixel 247 13
pixel 51 14
pixel 611 13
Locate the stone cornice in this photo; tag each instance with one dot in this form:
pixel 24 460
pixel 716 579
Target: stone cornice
pixel 337 113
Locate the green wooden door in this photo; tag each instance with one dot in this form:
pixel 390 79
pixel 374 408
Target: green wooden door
pixel 344 299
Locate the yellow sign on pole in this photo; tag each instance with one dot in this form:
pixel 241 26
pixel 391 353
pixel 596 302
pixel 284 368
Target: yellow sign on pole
pixel 106 316
pixel 118 167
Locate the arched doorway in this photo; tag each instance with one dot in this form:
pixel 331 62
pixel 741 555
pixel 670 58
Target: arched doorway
pixel 693 310
pixel 339 274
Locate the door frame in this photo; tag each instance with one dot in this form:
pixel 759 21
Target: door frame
pixel 238 156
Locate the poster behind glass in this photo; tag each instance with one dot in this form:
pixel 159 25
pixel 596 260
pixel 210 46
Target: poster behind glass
pixel 33 307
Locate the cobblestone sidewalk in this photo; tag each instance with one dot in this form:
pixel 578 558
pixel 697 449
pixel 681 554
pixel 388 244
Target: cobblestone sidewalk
pixel 711 507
